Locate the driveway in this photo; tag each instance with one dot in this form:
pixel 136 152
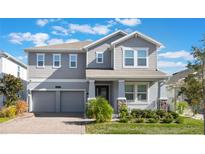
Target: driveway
pixel 44 124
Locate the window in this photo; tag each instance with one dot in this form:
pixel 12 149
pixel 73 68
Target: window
pixel 142 57
pixel 136 92
pixel 135 58
pixel 99 57
pixel 40 60
pixel 129 58
pixel 73 60
pixel 56 60
pixel 18 71
pixel 142 92
pixel 129 92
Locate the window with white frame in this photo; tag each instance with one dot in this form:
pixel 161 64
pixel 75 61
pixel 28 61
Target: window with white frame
pixel 135 58
pixel 99 57
pixel 136 92
pixel 141 57
pixel 40 60
pixel 56 60
pixel 73 61
pixel 18 71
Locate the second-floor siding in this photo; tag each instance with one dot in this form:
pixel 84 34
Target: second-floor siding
pixel 64 71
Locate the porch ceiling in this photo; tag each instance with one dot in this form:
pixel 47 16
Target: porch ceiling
pixel 125 74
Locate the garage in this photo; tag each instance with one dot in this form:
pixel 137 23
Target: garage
pixel 72 101
pixel 44 101
pixel 66 101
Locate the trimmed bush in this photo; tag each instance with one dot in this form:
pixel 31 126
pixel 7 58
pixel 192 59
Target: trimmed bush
pixel 168 119
pixel 161 113
pixel 9 112
pixel 136 113
pixel 174 114
pixel 99 109
pixel 180 120
pixel 181 106
pixel 139 120
pixel 152 120
pixel 21 106
pixel 124 113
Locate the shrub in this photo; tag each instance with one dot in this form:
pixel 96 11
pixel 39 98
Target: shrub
pixel 139 120
pixel 21 106
pixel 136 113
pixel 180 120
pixel 168 118
pixel 151 114
pixel 99 109
pixel 181 106
pixel 152 120
pixel 161 113
pixel 9 112
pixel 124 113
pixel 174 114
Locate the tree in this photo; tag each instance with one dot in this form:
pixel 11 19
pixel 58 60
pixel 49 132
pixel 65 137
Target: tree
pixel 10 87
pixel 198 68
pixel 192 88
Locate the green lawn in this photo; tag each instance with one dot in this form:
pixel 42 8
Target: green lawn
pixel 190 126
pixel 3 119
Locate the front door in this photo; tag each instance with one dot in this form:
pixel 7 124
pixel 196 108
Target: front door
pixel 102 91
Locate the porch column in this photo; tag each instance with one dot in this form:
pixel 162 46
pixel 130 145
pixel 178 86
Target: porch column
pixel 121 93
pixel 91 93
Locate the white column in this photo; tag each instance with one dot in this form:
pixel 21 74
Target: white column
pixel 91 94
pixel 121 89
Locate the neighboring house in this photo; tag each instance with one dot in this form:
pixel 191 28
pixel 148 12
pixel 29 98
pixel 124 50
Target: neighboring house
pixel 173 86
pixel 13 66
pixel 119 67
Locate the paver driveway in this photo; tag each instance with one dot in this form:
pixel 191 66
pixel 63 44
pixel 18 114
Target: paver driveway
pixel 45 124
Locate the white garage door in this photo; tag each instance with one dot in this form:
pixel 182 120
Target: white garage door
pixel 44 101
pixel 72 101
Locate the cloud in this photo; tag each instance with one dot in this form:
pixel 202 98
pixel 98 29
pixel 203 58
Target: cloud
pixel 22 57
pixel 129 21
pixel 39 39
pixel 169 64
pixel 42 22
pixel 177 54
pixel 72 40
pixel 55 41
pixel 97 29
pixel 59 30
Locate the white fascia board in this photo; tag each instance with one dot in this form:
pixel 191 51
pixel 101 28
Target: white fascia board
pixel 104 38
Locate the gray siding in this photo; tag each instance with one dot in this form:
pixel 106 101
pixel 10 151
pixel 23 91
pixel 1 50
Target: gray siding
pixel 102 47
pixel 60 73
pixel 136 43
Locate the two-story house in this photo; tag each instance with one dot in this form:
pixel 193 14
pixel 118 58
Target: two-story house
pixel 11 65
pixel 119 67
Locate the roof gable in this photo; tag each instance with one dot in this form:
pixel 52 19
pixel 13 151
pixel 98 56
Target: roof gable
pixel 105 38
pixel 137 34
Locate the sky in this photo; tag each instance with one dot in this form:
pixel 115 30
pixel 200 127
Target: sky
pixel 177 35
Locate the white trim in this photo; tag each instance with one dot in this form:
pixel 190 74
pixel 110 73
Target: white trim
pixel 57 80
pixel 54 60
pixel 104 38
pixel 136 33
pixel 114 57
pixel 135 57
pixel 40 54
pixel 45 89
pixel 97 53
pixel 76 58
pixel 135 93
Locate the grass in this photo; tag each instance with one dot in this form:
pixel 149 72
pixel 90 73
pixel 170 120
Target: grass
pixel 3 119
pixel 190 126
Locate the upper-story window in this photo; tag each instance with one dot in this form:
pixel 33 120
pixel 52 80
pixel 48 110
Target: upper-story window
pixel 40 60
pixel 18 71
pixel 135 58
pixel 56 60
pixel 99 57
pixel 73 60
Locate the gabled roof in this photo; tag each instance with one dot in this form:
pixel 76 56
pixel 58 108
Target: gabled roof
pixel 105 38
pixel 136 34
pixel 60 47
pixel 12 58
